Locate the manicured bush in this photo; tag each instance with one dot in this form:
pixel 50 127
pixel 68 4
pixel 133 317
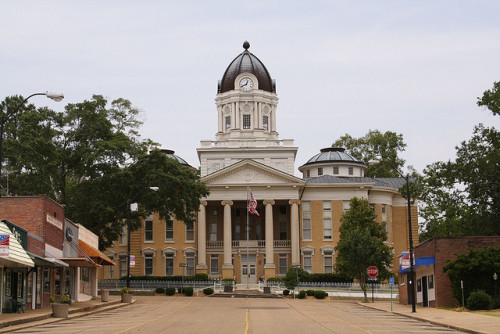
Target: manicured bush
pixel 302 294
pixel 479 300
pixel 160 290
pixel 170 291
pixel 228 281
pixel 208 291
pixel 320 294
pixel 310 292
pixel 286 292
pixel 188 291
pixel 274 279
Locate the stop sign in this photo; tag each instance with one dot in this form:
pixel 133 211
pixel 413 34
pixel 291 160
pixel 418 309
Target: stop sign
pixel 372 271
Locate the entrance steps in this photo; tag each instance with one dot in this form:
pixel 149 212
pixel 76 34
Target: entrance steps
pixel 241 291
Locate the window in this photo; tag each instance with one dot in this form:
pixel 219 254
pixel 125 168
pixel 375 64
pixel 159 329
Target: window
pixel 46 279
pixel 148 230
pixel 419 285
pixel 308 173
pixel 213 232
pixel 123 236
pixel 335 170
pixel 246 121
pixel 306 221
pixel 320 171
pixel 282 264
pixel 351 171
pixel 431 281
pixel 169 230
pixel 283 233
pixel 328 258
pixel 214 264
pixel 190 264
pixel 237 232
pixel 265 123
pixel 307 257
pixel 228 123
pixel 112 268
pixel 327 220
pixel 123 266
pixel 148 264
pixel 169 264
pixel 190 231
pixel 29 288
pixel 346 205
pixel 57 280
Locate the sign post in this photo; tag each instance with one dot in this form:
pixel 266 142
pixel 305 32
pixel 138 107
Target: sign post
pixel 391 282
pixel 183 266
pixel 372 272
pixel 296 267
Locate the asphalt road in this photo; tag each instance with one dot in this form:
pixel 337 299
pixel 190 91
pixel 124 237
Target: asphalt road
pixel 240 315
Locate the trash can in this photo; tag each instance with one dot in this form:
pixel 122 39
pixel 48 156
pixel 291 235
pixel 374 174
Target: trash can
pixel 104 295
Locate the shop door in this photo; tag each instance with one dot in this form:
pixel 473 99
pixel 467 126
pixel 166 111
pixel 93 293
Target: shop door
pixel 248 273
pixel 425 298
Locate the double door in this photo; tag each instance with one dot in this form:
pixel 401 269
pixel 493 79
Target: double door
pixel 248 273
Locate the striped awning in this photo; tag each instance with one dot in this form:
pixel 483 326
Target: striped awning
pixel 17 256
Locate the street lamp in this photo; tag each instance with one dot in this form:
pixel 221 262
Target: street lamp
pixel 495 277
pixel 54 96
pixel 132 207
pixel 411 280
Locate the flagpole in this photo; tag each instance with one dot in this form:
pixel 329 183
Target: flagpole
pixel 248 215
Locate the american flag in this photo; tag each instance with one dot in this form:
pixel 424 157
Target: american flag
pixel 252 204
pixel 4 240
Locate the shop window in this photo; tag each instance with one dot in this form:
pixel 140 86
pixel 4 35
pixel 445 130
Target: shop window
pixel 29 288
pixel 431 281
pixel 57 280
pixel 46 279
pixel 419 285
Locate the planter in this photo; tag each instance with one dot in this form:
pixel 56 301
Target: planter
pixel 228 288
pixel 126 298
pixel 60 310
pixel 267 289
pixel 104 295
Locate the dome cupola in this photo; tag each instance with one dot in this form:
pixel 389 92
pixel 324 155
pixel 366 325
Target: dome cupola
pixel 333 161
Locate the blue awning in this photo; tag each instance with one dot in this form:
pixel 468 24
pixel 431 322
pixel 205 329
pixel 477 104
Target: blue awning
pixel 426 261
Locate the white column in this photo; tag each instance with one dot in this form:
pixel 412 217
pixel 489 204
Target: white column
pixel 294 221
pixel 228 264
pixel 269 235
pixel 202 236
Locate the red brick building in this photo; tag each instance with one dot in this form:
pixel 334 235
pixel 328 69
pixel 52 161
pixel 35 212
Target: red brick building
pixel 433 288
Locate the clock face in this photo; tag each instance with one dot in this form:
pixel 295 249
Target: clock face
pixel 246 84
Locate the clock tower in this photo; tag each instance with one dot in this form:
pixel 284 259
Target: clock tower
pixel 246 113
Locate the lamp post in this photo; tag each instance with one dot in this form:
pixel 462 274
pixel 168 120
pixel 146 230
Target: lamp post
pixel 495 277
pixel 132 207
pixel 411 278
pixel 54 96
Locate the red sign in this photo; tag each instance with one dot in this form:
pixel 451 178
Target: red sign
pixel 372 271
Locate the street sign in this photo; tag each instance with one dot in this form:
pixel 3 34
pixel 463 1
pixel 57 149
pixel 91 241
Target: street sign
pixel 297 266
pixel 372 271
pixel 391 281
pixel 183 265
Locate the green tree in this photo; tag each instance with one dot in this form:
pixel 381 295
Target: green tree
pixel 376 145
pixel 491 99
pixel 475 269
pixel 361 244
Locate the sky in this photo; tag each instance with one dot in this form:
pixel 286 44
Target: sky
pixel 411 67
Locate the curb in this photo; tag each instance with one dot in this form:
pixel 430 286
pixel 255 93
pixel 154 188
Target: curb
pixel 458 328
pixel 20 324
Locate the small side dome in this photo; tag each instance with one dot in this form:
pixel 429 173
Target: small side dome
pixel 246 62
pixel 332 154
pixel 171 155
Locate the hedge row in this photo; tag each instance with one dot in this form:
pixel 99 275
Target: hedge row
pixel 197 277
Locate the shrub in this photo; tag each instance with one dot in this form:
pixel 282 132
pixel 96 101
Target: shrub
pixel 52 300
pixel 320 294
pixel 125 290
pixel 310 292
pixel 302 294
pixel 496 303
pixel 188 291
pixel 65 299
pixel 274 279
pixel 228 281
pixel 286 292
pixel 160 290
pixel 208 291
pixel 198 277
pixel 479 300
pixel 170 291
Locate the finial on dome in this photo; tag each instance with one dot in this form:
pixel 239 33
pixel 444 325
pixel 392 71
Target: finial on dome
pixel 246 45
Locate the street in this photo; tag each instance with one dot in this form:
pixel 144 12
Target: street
pixel 240 315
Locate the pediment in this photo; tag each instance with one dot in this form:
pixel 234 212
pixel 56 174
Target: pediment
pixel 247 172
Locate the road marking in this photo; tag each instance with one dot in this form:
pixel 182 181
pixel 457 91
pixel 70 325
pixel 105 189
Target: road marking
pixel 157 318
pixel 246 322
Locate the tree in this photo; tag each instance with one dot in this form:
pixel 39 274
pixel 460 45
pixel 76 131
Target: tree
pixel 361 244
pixel 91 159
pixel 376 145
pixel 462 197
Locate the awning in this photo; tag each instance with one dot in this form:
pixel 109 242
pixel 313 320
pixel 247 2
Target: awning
pixel 80 262
pixel 95 254
pixel 17 256
pixel 426 261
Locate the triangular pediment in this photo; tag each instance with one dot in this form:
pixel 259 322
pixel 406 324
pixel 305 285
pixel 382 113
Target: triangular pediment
pixel 250 172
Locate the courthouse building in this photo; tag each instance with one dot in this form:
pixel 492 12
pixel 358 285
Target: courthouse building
pixel 299 216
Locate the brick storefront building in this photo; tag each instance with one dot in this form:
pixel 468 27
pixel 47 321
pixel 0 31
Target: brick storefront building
pixel 433 288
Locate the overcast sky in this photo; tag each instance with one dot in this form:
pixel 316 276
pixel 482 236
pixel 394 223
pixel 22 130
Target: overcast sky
pixel 412 67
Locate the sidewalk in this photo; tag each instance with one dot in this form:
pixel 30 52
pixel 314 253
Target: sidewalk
pixel 463 321
pixel 16 321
